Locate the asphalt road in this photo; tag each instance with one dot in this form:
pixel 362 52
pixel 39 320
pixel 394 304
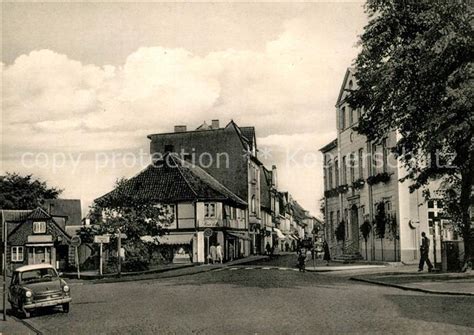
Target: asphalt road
pixel 246 300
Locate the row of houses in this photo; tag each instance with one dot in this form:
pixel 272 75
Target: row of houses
pixel 210 182
pixel 217 191
pixel 361 183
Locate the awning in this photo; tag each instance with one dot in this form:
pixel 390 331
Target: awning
pixel 39 244
pixel 280 234
pixel 175 239
pixel 170 239
pixel 238 235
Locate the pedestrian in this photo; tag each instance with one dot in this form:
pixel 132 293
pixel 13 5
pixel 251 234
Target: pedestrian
pixel 424 253
pixel 268 248
pixel 219 254
pixel 213 253
pixel 327 255
pixel 302 259
pixel 231 251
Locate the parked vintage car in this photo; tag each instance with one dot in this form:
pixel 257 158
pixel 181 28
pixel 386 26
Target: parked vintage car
pixel 35 286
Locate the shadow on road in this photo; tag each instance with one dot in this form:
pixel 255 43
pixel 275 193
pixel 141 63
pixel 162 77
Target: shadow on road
pixel 432 308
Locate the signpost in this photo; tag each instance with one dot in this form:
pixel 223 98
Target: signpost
pixel 207 234
pixel 76 242
pixel 101 239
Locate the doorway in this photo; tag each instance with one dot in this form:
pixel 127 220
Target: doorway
pixel 355 227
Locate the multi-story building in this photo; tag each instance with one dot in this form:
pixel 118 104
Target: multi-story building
pixel 195 202
pixel 361 180
pixel 229 154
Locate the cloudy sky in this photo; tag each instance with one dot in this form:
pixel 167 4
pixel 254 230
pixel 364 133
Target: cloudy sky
pixel 84 83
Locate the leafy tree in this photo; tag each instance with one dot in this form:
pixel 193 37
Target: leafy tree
pixel 365 229
pixel 24 192
pixel 414 75
pixel 135 216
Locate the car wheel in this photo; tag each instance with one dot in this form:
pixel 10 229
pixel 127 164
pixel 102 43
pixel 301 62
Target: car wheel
pixel 66 307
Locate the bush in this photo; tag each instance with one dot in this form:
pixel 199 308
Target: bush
pixel 135 264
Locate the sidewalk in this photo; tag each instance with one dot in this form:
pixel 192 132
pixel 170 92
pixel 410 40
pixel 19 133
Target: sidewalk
pixel 14 326
pixel 436 283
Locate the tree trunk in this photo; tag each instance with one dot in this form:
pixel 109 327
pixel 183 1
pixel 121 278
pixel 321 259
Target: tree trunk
pixel 467 176
pixel 366 257
pixel 381 244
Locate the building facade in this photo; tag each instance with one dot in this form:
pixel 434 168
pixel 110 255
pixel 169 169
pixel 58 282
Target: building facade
pixel 362 188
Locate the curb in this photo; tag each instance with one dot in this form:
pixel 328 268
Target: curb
pixel 26 324
pixel 416 289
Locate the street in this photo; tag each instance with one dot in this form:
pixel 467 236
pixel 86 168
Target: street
pixel 255 299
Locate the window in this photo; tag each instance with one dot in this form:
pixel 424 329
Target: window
pixel 17 254
pixel 252 205
pixel 361 163
pixel 336 173
pixel 344 171
pixel 338 217
pixel 351 167
pixel 39 227
pixel 329 178
pixel 358 114
pixel 351 115
pixel 385 155
pixel 209 210
pixel 342 118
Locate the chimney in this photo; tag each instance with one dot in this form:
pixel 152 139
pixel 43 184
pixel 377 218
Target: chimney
pixel 180 129
pixel 215 124
pixel 274 176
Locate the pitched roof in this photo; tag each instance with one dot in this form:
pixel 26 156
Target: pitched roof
pixel 39 214
pixel 249 134
pixel 173 179
pixel 13 218
pixel 70 208
pixel 331 145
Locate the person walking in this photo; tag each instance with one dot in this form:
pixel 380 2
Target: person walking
pixel 231 251
pixel 327 255
pixel 219 254
pixel 268 248
pixel 424 253
pixel 302 260
pixel 213 253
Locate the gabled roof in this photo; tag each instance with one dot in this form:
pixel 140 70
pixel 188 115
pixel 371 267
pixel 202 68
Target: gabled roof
pixel 173 179
pixel 331 145
pixel 15 218
pixel 349 71
pixel 249 134
pixel 70 208
pixel 39 214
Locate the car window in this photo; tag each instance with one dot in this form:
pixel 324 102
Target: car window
pixel 38 275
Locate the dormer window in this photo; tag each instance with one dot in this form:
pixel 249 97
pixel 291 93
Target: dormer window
pixel 39 227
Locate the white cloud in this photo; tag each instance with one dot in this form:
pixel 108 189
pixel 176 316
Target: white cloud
pixel 287 88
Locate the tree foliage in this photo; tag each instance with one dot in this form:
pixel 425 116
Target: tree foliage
pixel 381 219
pixel 365 229
pixel 135 216
pixel 24 192
pixel 415 75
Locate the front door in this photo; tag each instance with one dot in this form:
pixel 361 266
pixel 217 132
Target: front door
pixel 38 255
pixel 355 227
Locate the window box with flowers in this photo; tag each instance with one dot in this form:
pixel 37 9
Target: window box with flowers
pixel 342 188
pixel 383 177
pixel 331 193
pixel 358 184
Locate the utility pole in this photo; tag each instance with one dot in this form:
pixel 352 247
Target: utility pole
pixel 119 252
pixel 4 265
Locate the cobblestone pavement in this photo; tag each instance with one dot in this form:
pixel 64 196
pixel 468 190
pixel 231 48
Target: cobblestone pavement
pixel 260 299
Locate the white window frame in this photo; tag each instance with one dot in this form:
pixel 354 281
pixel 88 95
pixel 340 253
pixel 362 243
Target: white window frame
pixel 210 210
pixel 15 253
pixel 39 227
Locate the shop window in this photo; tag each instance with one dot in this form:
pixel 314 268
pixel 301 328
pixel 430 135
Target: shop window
pixel 17 254
pixel 209 210
pixel 39 227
